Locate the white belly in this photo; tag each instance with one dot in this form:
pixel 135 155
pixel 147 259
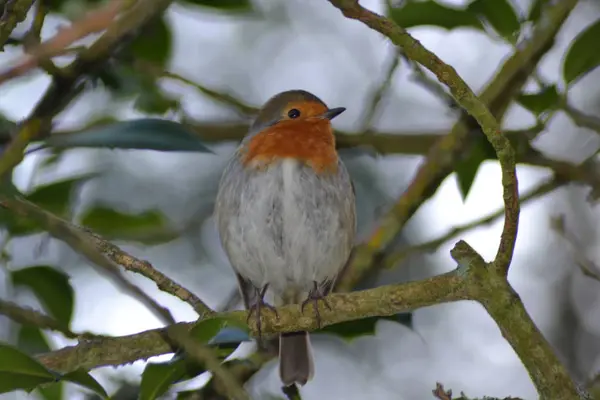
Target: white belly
pixel 286 226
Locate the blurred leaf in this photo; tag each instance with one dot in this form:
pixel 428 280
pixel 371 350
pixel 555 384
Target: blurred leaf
pixel 429 12
pixel 51 287
pixel 225 5
pixel 149 227
pixel 362 327
pixel 583 55
pixel 158 377
pixel 154 101
pixel 535 11
pixel 467 168
pixel 145 134
pixel 500 14
pixel 82 378
pixel 154 42
pixel 546 99
pixel 31 340
pixel 20 371
pixel 55 197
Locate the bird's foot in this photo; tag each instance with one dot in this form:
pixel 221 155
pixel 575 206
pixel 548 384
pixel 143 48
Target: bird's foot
pixel 257 308
pixel 313 297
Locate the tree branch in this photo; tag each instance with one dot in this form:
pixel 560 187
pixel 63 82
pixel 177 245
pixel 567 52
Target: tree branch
pixel 102 252
pixel 28 316
pixel 444 154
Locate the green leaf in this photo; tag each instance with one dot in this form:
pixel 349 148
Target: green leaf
pixel 500 14
pixel 84 379
pixel 32 341
pixel 154 42
pixel 55 197
pixel 467 168
pixel 544 100
pixel 207 329
pixel 20 371
pixel 149 227
pixel 143 134
pixel 363 327
pixel 51 391
pixel 429 12
pixel 224 5
pixel 584 54
pixel 51 287
pixel 158 377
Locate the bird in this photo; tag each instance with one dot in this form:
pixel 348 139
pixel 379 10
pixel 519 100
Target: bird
pixel 286 216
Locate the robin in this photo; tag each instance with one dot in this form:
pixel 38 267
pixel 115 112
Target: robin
pixel 285 212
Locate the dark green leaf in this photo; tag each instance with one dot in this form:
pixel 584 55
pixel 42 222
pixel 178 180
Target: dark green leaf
pixel 20 371
pixel 500 14
pixel 51 287
pixel 51 391
pixel 149 227
pixel 55 197
pixel 145 134
pixel 467 168
pixel 429 12
pixel 154 42
pixel 362 327
pixel 583 55
pixel 225 5
pixel 82 378
pixel 545 100
pixel 32 341
pixel 207 329
pixel 158 377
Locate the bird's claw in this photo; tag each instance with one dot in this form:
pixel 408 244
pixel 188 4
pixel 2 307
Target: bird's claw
pixel 313 297
pixel 257 307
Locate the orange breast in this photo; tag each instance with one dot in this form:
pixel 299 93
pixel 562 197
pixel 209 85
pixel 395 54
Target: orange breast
pixel 311 142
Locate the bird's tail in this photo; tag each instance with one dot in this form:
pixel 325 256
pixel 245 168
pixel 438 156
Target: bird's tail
pixel 295 358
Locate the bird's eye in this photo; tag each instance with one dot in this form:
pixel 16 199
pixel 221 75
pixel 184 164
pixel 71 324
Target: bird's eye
pixel 293 113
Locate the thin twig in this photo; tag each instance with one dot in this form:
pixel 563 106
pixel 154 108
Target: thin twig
pixel 588 267
pixel 92 22
pixel 225 98
pixel 430 246
pixel 31 317
pixel 379 93
pixel 581 119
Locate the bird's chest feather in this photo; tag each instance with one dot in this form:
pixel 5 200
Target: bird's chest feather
pixel 287 223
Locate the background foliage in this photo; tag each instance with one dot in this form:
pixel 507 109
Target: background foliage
pixel 130 142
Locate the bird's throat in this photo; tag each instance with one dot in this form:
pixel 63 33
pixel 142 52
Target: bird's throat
pixel 312 143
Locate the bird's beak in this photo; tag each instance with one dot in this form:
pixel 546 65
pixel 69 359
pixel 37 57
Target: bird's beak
pixel 333 112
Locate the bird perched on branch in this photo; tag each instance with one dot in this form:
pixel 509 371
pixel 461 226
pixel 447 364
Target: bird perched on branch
pixel 286 215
